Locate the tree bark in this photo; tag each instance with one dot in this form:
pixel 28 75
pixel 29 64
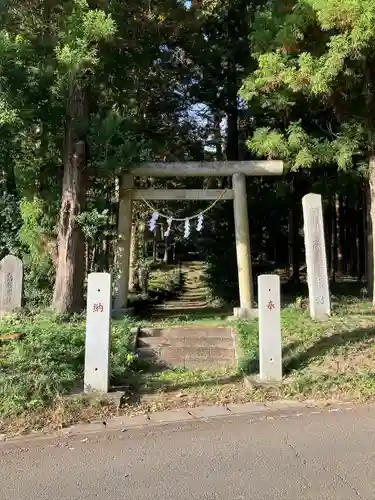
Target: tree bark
pixel 68 294
pixel 340 234
pixel 352 234
pixel 361 232
pixel 334 246
pixel 293 240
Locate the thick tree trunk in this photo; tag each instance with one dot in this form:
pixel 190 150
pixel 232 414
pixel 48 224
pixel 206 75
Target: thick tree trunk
pixel 166 248
pixel 68 294
pixel 352 234
pixel 328 232
pixel 333 244
pixel 361 232
pixel 293 227
pixel 154 248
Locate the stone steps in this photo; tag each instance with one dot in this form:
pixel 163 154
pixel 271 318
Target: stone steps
pixel 191 331
pixel 187 364
pixel 203 312
pixel 179 305
pixel 191 347
pixel 179 342
pixel 192 295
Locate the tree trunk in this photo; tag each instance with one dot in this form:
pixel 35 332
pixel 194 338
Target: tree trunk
pixel 333 244
pixel 361 233
pixel 68 294
pixel 328 232
pixel 293 239
pixel 352 235
pixel 154 248
pixel 166 251
pixel 340 235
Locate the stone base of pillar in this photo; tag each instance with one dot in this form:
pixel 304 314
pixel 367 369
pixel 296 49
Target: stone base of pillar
pixel 254 381
pixel 241 313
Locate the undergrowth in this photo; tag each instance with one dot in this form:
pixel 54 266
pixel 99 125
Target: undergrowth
pixel 49 360
pixel 320 358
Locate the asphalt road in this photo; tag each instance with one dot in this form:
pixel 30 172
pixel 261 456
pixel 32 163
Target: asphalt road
pixel 329 455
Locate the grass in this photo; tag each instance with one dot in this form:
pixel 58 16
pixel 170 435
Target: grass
pixel 329 359
pixel 164 278
pixel 333 359
pixel 49 360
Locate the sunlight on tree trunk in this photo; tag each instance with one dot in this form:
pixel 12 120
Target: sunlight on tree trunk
pixel 68 294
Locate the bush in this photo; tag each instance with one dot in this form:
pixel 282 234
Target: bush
pixel 38 266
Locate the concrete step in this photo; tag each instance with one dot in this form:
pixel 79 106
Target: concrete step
pixel 179 305
pixel 198 312
pixel 186 353
pixel 195 342
pixel 191 331
pixel 188 364
pixel 192 295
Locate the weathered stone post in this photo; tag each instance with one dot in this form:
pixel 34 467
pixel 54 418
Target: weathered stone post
pixel 316 259
pixel 124 240
pixel 11 284
pixel 241 223
pixel 98 325
pixel 270 357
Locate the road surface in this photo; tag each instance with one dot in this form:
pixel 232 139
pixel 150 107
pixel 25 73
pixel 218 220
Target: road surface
pixel 328 455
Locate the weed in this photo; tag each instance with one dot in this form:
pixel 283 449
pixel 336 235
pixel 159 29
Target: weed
pixel 49 361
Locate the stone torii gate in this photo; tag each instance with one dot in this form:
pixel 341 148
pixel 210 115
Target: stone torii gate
pixel 237 170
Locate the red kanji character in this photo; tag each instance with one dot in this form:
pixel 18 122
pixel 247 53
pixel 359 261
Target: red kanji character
pixel 270 305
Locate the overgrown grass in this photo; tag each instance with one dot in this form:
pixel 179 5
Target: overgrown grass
pixel 164 283
pixel 49 360
pixel 333 358
pixel 165 278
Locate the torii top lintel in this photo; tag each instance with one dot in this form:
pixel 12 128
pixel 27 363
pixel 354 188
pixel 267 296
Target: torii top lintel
pixel 208 168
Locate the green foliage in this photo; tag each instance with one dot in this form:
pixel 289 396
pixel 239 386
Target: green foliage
pixel 77 51
pixel 38 266
pixel 247 332
pixel 10 225
pixel 315 56
pixel 93 223
pixel 49 360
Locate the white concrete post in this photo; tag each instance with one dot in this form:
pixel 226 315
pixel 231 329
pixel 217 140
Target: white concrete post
pixel 98 322
pixel 241 223
pixel 124 240
pixel 270 357
pixel 316 259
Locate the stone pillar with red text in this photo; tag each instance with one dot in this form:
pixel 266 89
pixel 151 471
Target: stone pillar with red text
pixel 270 357
pixel 98 325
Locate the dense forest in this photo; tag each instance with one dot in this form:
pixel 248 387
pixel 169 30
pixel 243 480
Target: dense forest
pixel 89 88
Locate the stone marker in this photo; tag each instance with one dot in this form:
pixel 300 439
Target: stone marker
pixel 316 259
pixel 98 321
pixel 11 282
pixel 270 358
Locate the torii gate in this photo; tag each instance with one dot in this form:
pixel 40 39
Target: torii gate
pixel 237 170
